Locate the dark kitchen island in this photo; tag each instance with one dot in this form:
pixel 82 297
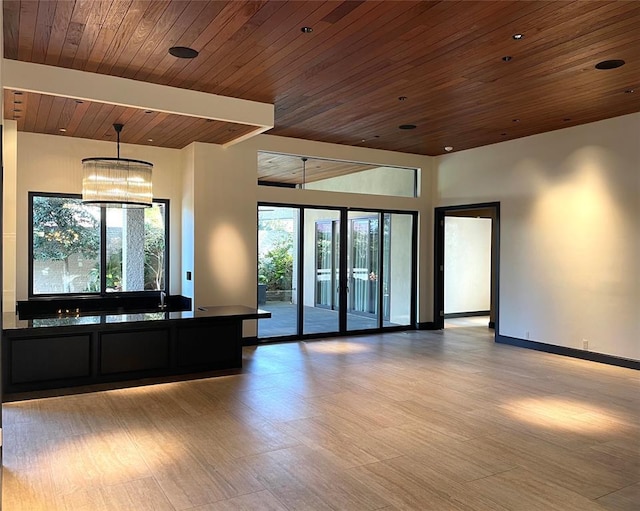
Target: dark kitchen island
pixel 68 349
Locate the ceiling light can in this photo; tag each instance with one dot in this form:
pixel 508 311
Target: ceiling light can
pixel 182 52
pixel 610 64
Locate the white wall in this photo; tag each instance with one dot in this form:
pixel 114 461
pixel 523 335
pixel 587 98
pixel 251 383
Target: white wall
pixel 188 221
pixel 378 181
pixel 9 217
pixel 467 264
pixel 569 231
pixel 50 163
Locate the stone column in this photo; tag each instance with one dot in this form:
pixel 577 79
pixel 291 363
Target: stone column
pixel 133 249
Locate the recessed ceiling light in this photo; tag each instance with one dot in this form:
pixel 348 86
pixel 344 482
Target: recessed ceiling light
pixel 610 64
pixel 306 30
pixel 515 120
pixel 629 91
pixel 448 148
pixel 517 37
pixel 507 58
pixel 566 119
pixel 63 130
pixel 149 140
pixel 402 98
pixel 363 140
pixel 407 127
pixel 376 136
pixel 182 52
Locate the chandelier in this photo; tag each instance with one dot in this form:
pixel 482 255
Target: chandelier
pixel 116 182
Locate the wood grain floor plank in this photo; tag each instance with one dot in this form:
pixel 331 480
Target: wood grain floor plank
pixel 259 501
pixel 522 490
pixel 625 499
pixel 304 479
pixel 141 495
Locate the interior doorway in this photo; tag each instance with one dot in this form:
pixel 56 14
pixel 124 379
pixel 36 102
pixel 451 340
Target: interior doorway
pixel 472 234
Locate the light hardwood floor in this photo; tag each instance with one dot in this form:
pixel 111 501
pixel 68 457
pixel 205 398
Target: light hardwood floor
pixel 418 420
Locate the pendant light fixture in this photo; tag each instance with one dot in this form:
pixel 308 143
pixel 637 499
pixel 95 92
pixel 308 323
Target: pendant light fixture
pixel 116 182
pixel 304 172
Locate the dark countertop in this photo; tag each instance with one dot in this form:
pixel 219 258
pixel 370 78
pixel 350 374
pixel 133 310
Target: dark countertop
pixel 10 320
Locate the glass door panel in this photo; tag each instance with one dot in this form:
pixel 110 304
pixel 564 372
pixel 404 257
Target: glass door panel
pixel 278 232
pixel 321 271
pixel 363 270
pixel 397 274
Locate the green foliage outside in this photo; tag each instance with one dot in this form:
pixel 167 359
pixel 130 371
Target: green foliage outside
pixel 275 268
pixel 63 227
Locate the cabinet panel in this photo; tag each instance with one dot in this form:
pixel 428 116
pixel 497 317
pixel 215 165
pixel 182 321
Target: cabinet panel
pixel 134 351
pixel 50 358
pixel 214 345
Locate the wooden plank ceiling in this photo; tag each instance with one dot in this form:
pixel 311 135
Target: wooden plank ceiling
pixel 56 115
pixel 343 81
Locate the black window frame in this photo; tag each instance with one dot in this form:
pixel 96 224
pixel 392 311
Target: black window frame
pixel 102 255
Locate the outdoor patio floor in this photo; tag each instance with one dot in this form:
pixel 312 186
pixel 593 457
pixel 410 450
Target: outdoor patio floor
pixel 283 320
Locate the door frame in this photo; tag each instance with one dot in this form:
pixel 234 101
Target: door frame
pixel 342 291
pixel 438 258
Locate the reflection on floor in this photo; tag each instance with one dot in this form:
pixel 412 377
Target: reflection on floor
pixel 417 420
pixel 470 321
pixel 283 320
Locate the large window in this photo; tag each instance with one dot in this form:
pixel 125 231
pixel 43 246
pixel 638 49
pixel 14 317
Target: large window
pixel 78 249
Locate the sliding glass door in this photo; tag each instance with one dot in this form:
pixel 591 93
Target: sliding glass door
pixel 278 234
pixel 363 270
pixel 321 311
pixel 398 269
pixel 332 271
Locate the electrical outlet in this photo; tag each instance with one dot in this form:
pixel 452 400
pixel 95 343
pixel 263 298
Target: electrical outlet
pixel 585 344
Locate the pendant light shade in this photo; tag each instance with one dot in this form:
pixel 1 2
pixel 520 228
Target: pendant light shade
pixel 117 182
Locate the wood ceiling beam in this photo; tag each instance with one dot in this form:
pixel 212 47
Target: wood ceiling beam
pixel 82 85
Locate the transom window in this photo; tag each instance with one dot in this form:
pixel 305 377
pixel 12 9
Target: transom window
pixel 81 249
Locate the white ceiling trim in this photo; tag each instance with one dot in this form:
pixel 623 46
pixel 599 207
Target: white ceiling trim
pixel 71 83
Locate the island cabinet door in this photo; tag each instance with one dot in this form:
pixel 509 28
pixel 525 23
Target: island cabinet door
pixel 215 345
pixel 134 351
pixel 40 359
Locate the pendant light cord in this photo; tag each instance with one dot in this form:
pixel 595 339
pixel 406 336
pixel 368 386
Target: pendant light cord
pixel 304 171
pixel 118 128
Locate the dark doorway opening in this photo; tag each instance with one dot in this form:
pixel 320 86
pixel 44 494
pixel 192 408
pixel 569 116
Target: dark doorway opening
pixel 489 210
